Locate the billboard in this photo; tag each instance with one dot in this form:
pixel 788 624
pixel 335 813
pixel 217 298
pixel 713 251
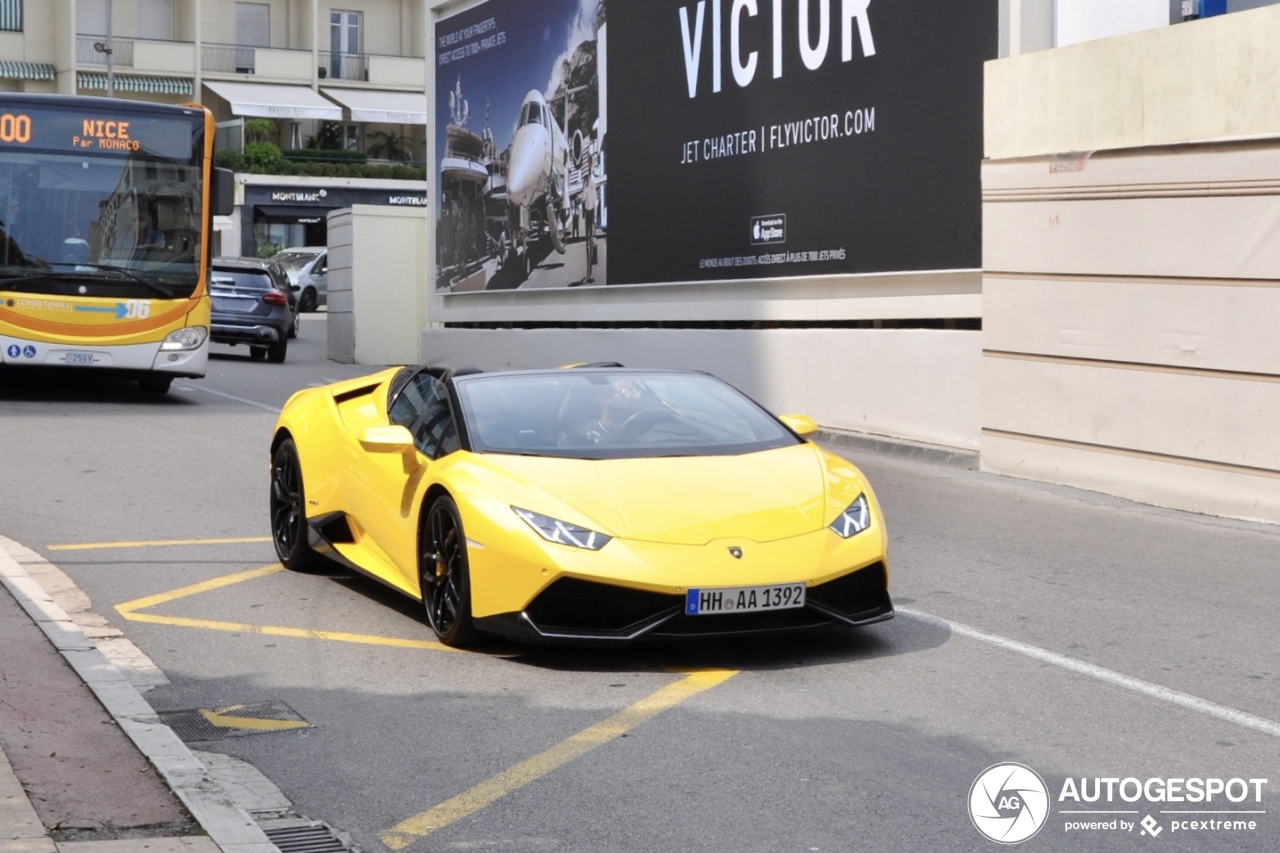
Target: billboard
pixel 749 139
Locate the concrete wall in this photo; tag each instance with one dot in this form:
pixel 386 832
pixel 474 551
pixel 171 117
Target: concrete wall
pixel 1208 79
pixel 376 267
pixel 1130 296
pixel 918 384
pixel 914 383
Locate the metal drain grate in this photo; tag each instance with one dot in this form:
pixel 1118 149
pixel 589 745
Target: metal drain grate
pixel 305 839
pixel 199 724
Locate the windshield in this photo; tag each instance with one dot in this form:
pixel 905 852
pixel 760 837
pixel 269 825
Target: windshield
pixel 99 224
pixel 532 114
pixel 603 414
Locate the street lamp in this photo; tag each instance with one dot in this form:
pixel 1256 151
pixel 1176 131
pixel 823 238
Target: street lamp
pixel 105 47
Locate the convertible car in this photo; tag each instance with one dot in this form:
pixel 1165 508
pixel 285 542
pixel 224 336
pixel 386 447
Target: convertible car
pixel 589 503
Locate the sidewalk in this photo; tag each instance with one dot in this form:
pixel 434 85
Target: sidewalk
pixel 85 766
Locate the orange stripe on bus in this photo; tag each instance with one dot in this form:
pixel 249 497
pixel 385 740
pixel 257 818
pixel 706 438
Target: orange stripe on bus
pixel 112 330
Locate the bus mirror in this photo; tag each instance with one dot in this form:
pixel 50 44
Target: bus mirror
pixel 223 197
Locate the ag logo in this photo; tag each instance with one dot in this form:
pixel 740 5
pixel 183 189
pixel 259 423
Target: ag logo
pixel 1008 803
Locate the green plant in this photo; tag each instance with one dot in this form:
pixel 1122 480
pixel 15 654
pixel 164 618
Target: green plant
pixel 390 146
pixel 260 155
pixel 225 158
pixel 329 136
pixel 259 129
pixel 266 250
pixel 331 154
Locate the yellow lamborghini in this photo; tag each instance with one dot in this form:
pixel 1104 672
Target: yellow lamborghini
pixel 594 503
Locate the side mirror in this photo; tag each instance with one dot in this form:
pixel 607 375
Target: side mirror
pixel 802 425
pixel 387 439
pixel 222 192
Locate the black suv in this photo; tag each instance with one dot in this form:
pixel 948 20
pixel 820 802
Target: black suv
pixel 252 304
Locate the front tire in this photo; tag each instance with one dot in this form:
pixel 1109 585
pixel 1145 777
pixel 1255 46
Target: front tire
pixel 443 574
pixel 309 300
pixel 288 510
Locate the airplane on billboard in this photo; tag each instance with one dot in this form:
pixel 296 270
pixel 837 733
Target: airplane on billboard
pixel 543 178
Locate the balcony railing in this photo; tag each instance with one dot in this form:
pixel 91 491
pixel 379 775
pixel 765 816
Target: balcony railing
pixel 344 66
pixel 230 58
pixel 87 54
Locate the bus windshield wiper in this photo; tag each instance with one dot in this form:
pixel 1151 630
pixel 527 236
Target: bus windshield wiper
pixel 88 272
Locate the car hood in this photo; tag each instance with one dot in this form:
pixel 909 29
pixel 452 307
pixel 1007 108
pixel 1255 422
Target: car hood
pixel 761 497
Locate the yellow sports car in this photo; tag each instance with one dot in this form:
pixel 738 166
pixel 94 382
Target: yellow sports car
pixel 592 503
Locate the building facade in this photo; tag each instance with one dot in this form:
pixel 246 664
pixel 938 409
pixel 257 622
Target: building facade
pixel 347 71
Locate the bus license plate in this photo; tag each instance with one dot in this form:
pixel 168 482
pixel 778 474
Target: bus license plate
pixel 78 358
pixel 743 599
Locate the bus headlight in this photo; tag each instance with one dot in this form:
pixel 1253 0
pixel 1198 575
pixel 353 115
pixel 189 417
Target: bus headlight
pixel 189 338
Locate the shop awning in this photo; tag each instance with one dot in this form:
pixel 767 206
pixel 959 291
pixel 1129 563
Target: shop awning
pixel 381 106
pixel 12 70
pixel 274 101
pixel 97 81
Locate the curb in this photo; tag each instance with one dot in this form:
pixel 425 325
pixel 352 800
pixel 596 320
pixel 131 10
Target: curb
pixel 228 826
pixel 899 447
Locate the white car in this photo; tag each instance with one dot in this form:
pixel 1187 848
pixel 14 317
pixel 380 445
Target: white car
pixel 308 270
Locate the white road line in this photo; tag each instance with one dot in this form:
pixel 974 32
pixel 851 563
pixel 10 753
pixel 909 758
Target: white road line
pixel 253 403
pixel 1155 691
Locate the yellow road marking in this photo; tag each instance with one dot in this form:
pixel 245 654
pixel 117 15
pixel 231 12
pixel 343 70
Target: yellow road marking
pixel 89 546
pixel 196 588
pixel 224 720
pixel 494 788
pixel 281 631
pixel 130 610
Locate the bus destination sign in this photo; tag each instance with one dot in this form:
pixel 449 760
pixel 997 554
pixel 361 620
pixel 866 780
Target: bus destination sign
pixel 66 130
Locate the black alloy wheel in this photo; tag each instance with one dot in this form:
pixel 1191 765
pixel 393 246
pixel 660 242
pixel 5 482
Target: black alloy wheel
pixel 443 576
pixel 288 516
pixel 307 303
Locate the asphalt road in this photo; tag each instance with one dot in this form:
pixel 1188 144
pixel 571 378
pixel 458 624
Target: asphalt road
pixel 1084 637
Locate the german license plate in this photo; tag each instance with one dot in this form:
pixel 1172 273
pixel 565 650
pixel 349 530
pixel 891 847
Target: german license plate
pixel 743 599
pixel 78 358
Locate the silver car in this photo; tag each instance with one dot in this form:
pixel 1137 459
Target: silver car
pixel 308 271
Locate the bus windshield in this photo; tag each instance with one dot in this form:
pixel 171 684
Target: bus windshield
pixel 100 224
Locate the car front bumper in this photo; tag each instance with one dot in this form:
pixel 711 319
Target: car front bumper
pixel 575 610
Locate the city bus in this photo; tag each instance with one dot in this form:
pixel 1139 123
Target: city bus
pixel 106 207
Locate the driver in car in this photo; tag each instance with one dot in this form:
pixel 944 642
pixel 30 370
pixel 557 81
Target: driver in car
pixel 624 399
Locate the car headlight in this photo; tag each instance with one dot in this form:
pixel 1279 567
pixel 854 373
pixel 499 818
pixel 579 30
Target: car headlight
pixel 554 530
pixel 853 520
pixel 190 337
